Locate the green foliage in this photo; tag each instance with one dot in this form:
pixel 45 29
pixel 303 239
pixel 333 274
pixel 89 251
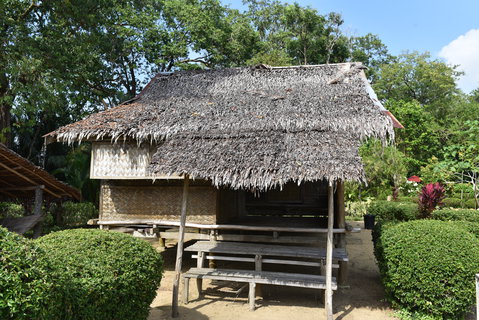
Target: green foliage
pixel 355 210
pixel 74 214
pixel 465 188
pixel 461 158
pixel 427 267
pixel 456 215
pixel 406 199
pixel 417 77
pixel 298 32
pixel 24 292
pixel 75 170
pixel 11 210
pixel 458 203
pixel 385 168
pixel 393 210
pixel 100 275
pixel 471 227
pixel 453 203
pixel 370 50
pixel 419 140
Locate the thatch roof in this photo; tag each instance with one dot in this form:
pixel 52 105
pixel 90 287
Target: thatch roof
pixel 20 177
pixel 249 127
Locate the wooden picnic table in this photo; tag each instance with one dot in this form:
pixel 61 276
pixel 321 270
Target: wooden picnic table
pixel 262 250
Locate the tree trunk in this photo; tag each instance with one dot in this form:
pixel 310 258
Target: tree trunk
pixel 5 112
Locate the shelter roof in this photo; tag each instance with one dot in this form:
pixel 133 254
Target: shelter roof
pixel 20 177
pixel 249 127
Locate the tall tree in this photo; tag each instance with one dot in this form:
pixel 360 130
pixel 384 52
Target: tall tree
pixel 371 51
pixel 414 76
pixel 61 60
pixel 419 140
pixel 300 33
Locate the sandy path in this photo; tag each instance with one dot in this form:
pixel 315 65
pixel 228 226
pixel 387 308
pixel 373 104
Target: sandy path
pixel 363 300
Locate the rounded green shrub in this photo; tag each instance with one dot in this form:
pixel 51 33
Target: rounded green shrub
pixel 24 290
pixel 393 211
pixel 456 215
pixel 101 275
pixel 453 203
pixel 428 267
pixel 471 204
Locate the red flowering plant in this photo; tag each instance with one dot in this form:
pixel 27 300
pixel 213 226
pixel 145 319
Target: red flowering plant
pixel 430 198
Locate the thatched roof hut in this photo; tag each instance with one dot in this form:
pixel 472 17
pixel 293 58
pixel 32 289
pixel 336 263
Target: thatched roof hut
pixel 251 128
pixel 245 129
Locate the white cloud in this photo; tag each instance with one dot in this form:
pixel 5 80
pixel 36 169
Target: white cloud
pixel 464 51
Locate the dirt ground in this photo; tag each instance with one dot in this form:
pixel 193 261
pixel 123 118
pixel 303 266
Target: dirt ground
pixel 364 299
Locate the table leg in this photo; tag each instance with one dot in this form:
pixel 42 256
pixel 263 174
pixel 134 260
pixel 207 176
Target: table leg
pixel 186 290
pixel 343 274
pixel 258 266
pixel 251 297
pixel 200 262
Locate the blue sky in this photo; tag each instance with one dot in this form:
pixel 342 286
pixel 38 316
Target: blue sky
pixel 447 29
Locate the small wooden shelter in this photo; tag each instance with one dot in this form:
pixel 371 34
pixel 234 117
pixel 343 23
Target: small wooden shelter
pixel 28 184
pixel 268 149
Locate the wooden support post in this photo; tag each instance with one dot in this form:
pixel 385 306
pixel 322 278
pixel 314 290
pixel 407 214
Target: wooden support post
pixel 162 242
pixel 38 200
pixel 186 290
pixel 213 238
pixel 179 252
pixel 258 266
pixel 328 297
pixel 340 218
pixel 200 263
pixel 37 231
pixel 251 296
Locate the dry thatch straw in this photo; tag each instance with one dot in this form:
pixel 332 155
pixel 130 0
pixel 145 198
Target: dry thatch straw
pixel 249 127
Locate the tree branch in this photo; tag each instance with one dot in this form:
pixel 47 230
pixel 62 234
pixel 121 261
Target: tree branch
pixel 28 10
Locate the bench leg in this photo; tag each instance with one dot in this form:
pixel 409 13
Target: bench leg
pixel 199 286
pixel 251 297
pixel 186 290
pixel 322 292
pixel 162 243
pixel 343 273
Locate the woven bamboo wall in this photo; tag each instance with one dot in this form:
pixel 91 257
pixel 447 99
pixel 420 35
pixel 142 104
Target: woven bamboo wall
pixel 122 161
pixel 158 202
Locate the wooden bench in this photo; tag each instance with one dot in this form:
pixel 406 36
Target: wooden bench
pixel 253 278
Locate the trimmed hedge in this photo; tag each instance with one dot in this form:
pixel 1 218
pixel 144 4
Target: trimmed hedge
pixel 456 215
pixel 407 199
pixel 458 203
pixel 101 275
pixel 24 291
pixel 428 266
pixel 393 211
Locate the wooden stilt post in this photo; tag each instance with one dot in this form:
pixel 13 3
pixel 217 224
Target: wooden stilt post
pixel 328 297
pixel 37 230
pixel 340 219
pixel 179 252
pixel 38 200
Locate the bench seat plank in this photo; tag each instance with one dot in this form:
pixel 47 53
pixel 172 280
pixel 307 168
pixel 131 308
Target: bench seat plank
pixel 257 277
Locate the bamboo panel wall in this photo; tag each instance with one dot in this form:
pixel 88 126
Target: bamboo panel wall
pixel 157 202
pixel 122 161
